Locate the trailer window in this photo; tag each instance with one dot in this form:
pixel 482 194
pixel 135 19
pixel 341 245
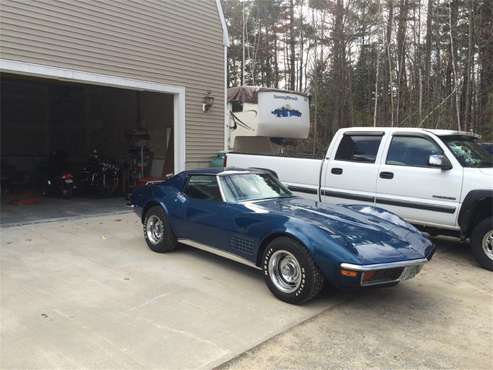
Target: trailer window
pixel 236 106
pixel 358 148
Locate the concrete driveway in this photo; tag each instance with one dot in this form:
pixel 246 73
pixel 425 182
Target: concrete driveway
pixel 442 319
pixel 88 293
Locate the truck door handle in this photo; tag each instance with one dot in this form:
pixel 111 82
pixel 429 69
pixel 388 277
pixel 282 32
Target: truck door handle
pixel 336 171
pixel 386 175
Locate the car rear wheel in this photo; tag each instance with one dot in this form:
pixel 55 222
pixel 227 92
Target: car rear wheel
pixel 482 243
pixel 290 272
pixel 157 231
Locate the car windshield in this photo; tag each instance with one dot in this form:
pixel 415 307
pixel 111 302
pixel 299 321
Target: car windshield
pixel 467 151
pixel 252 186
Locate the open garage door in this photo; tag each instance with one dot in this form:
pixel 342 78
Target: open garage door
pixel 70 148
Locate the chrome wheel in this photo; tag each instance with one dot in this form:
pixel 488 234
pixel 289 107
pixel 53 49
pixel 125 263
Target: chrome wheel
pixel 155 229
pixel 284 271
pixel 487 244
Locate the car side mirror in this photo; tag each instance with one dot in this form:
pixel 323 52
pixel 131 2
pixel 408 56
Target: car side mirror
pixel 439 161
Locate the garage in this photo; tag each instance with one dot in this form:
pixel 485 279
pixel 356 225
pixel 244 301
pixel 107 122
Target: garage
pixel 137 88
pixel 71 148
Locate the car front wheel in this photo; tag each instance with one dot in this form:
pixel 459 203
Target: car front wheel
pixel 482 243
pixel 290 272
pixel 157 231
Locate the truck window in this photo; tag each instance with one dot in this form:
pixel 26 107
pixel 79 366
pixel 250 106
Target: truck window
pixel 412 151
pixel 358 148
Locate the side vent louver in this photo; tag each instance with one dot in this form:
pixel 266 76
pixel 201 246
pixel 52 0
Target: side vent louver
pixel 242 245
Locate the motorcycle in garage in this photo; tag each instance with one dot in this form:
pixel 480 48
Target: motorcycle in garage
pixel 100 177
pixel 59 180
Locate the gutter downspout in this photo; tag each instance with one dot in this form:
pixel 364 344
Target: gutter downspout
pixel 225 45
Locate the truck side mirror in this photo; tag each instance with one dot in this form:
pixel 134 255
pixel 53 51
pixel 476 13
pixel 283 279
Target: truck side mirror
pixel 440 161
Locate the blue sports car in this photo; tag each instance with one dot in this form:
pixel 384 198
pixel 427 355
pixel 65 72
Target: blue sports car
pixel 300 244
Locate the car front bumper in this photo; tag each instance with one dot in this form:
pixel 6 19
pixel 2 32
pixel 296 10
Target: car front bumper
pixel 383 273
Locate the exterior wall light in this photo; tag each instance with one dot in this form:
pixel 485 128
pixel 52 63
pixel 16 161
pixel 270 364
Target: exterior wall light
pixel 208 102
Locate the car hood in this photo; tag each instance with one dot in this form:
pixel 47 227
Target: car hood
pixel 373 234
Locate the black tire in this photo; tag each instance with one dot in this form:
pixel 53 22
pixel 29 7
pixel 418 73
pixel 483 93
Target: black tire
pixel 481 248
pixel 166 242
pixel 310 282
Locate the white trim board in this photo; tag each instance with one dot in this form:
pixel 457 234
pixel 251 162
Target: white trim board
pixel 225 62
pixel 223 23
pixel 72 75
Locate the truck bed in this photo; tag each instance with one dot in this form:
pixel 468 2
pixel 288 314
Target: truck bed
pixel 300 173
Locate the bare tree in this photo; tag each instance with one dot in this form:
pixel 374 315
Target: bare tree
pixel 454 65
pixel 377 73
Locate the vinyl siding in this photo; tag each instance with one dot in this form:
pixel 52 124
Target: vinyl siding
pixel 175 42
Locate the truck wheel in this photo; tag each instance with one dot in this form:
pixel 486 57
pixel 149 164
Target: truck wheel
pixel 157 231
pixel 482 243
pixel 290 272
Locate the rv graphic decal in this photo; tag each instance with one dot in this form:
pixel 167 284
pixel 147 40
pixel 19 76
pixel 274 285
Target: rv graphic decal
pixel 286 112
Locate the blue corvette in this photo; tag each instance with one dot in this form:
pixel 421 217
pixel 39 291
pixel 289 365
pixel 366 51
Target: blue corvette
pixel 300 244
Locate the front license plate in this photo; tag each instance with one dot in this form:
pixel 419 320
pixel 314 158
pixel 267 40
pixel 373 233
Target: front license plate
pixel 410 272
pixel 69 181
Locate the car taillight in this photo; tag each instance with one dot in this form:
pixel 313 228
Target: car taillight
pixel 67 176
pixel 225 163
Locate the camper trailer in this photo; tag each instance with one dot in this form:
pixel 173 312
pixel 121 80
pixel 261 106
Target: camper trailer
pixel 259 118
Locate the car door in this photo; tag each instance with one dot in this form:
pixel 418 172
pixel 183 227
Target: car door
pixel 350 176
pixel 409 186
pixel 207 219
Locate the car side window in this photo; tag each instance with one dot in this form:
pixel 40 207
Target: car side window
pixel 412 151
pixel 358 148
pixel 202 187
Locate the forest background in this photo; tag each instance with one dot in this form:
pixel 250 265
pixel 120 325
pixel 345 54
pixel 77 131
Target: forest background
pixel 402 63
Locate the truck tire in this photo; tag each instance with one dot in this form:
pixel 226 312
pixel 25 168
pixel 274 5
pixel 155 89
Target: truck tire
pixel 157 231
pixel 289 271
pixel 482 243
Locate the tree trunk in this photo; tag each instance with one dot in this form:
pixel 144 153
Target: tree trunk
pixel 429 41
pixel 485 44
pixel 339 59
pixel 302 47
pixel 292 51
pixel 276 62
pixel 388 69
pixel 377 73
pixel 401 54
pixel 466 119
pixel 453 13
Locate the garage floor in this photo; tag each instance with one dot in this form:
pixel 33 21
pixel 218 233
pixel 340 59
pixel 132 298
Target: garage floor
pixel 52 209
pixel 88 293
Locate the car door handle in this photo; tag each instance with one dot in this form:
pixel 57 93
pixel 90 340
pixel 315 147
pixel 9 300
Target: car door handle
pixel 336 171
pixel 386 175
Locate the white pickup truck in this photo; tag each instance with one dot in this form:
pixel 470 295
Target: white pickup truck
pixel 439 179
